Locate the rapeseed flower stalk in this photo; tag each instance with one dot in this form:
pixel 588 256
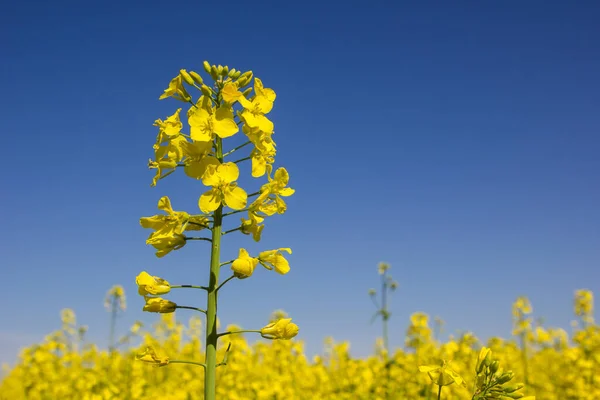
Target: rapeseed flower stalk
pixel 388 284
pixel 115 300
pixel 217 114
pixel 522 328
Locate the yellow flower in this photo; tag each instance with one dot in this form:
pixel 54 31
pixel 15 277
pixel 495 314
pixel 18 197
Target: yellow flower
pixel 382 267
pixel 269 201
pixel 197 158
pixel 224 189
pixel 584 303
pixel 149 356
pixel 159 305
pixel 244 265
pixel 168 149
pixel 281 329
pixel 168 234
pixel 263 154
pixel 172 125
pixel 252 227
pixel 484 356
pixel 176 90
pixel 116 293
pixel 442 375
pixel 205 122
pixel 274 259
pixel 148 284
pixel 254 111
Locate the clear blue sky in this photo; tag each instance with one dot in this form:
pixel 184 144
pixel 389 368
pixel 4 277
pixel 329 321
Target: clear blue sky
pixel 459 142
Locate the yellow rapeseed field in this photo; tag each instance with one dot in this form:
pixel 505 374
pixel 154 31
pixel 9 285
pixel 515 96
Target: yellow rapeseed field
pixel 558 367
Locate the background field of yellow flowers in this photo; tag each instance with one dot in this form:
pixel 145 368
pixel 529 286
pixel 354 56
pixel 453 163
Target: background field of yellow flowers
pixel 556 365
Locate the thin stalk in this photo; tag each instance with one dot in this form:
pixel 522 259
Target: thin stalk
pixel 236 148
pixel 192 308
pixel 232 230
pixel 524 357
pixel 188 286
pixel 113 324
pixel 385 316
pixel 232 212
pixel 225 281
pixel 242 159
pixel 210 375
pixel 187 362
pixel 234 332
pixel 440 392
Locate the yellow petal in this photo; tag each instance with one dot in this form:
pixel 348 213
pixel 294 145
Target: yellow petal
pixel 228 172
pixel 196 169
pixel 164 204
pixel 235 197
pixel 225 128
pixel 230 93
pixel 264 124
pixel 210 176
pixel 210 201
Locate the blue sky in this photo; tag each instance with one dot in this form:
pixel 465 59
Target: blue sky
pixel 459 142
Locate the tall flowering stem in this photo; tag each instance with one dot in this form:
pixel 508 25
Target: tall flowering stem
pixel 221 111
pixel 387 284
pixel 211 310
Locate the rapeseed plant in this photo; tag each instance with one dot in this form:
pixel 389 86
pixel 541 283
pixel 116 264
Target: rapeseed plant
pixel 217 114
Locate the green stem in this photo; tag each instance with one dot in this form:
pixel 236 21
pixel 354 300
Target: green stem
pixel 440 392
pixel 188 286
pixel 234 212
pixel 524 356
pixel 113 324
pixel 210 382
pixel 234 332
pixel 242 159
pixel 198 238
pixel 186 362
pixel 225 281
pixel 226 263
pixel 192 308
pixel 237 148
pixel 232 230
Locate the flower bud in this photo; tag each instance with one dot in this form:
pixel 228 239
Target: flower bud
pixel 148 284
pixel 231 73
pixel 494 366
pixel 510 389
pixel 237 74
pixel 282 329
pixel 206 66
pixel 505 377
pixel 186 77
pixel 225 71
pixel 196 77
pixel 516 395
pixel 220 70
pixel 206 90
pixel 246 92
pixel 214 72
pixel 159 305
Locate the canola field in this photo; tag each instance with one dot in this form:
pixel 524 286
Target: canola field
pixel 550 363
